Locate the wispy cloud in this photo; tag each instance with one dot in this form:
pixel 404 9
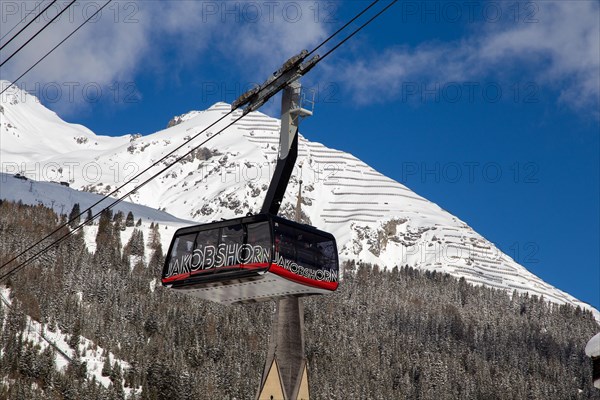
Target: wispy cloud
pixel 560 50
pixel 162 37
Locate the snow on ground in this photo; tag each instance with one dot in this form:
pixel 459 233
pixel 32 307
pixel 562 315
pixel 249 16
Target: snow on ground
pixel 91 354
pixel 592 349
pixel 62 199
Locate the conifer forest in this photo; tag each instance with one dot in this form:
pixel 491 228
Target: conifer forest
pixel 398 333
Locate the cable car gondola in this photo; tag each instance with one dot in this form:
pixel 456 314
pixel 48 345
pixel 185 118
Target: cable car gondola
pixel 259 257
pixel 255 258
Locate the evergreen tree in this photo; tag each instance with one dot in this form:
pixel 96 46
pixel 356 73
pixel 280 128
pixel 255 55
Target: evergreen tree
pixel 106 368
pixel 154 236
pixel 74 216
pixel 108 240
pixel 116 376
pixel 118 221
pixel 89 217
pixel 129 221
pixel 77 369
pixel 135 246
pixel 157 261
pixel 75 335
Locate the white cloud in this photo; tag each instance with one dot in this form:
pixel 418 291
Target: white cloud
pixel 161 36
pixel 560 51
pixel 251 39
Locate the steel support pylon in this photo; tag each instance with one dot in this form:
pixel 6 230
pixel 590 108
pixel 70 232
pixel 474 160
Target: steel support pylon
pixel 286 369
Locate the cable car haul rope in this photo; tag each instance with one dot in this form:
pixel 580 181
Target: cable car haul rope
pixel 255 258
pixel 116 200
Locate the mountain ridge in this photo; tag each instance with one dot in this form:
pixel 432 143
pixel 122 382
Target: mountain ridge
pixel 374 218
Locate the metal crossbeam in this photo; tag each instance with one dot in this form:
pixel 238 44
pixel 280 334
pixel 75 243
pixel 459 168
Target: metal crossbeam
pixel 289 72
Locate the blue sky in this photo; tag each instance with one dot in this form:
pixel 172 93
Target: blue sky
pixel 491 110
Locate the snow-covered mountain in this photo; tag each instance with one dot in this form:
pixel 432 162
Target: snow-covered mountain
pixel 374 218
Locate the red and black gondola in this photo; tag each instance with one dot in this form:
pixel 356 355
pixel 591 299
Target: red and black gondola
pixel 254 258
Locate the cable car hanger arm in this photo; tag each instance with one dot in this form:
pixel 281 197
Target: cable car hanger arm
pixel 279 182
pixel 285 78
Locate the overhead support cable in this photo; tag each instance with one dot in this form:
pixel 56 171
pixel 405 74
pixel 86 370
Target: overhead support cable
pixel 279 84
pixel 14 82
pixel 357 16
pixel 116 191
pixel 22 19
pixel 29 23
pixel 111 205
pixel 37 33
pixel 360 28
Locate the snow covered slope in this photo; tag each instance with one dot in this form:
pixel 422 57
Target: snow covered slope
pixel 374 218
pixel 62 199
pixel 89 353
